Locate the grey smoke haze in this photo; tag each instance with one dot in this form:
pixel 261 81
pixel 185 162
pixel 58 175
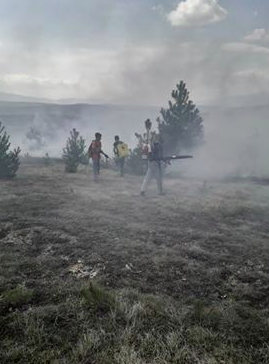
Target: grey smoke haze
pixel 55 122
pixel 133 53
pixel 236 139
pixel 236 144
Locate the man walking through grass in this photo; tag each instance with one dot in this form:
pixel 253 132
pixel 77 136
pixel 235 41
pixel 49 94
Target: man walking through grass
pixel 155 157
pixel 94 152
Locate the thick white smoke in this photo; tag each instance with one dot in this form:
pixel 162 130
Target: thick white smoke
pixel 236 144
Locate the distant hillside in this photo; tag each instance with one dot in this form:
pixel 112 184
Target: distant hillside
pixel 20 98
pixel 257 99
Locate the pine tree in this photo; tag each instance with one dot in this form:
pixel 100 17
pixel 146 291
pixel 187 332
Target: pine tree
pixel 74 152
pixel 9 160
pixel 47 160
pixel 135 163
pixel 181 124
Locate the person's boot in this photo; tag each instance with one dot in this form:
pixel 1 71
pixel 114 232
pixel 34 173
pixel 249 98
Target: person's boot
pixel 142 193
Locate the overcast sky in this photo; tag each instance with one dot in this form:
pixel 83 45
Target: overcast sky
pixel 133 51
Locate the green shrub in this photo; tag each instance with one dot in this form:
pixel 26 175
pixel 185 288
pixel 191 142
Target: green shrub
pixel 98 299
pixel 74 152
pixel 17 297
pixel 9 160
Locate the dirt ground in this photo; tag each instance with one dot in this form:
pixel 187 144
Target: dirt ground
pixel 205 240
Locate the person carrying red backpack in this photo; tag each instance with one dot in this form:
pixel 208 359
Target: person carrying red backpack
pixel 94 152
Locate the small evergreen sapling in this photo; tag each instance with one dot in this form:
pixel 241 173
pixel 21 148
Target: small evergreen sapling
pixel 181 125
pixel 74 152
pixel 35 138
pixel 9 160
pixel 47 160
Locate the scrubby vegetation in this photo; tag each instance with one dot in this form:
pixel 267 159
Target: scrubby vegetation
pixel 9 160
pixel 90 324
pixel 74 152
pixel 34 139
pixel 47 160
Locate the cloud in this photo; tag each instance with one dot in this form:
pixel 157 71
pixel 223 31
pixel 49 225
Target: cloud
pixel 253 74
pixel 241 47
pixel 197 13
pixel 159 9
pixel 100 52
pixel 243 69
pixel 20 78
pixel 259 35
pixel 254 79
pixel 134 73
pixel 92 74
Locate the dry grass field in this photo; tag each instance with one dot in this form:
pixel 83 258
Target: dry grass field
pixel 94 273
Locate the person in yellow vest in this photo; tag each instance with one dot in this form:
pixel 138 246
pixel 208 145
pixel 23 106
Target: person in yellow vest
pixel 121 151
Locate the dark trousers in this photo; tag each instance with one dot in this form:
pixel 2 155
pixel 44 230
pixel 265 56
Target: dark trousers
pixel 120 162
pixel 96 169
